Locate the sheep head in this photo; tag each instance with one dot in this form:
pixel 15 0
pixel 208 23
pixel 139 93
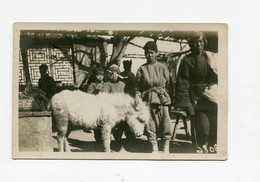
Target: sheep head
pixel 139 117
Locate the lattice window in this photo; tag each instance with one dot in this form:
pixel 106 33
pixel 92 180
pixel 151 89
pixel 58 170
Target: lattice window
pixel 38 55
pixel 21 76
pixel 57 61
pixel 61 54
pixel 63 73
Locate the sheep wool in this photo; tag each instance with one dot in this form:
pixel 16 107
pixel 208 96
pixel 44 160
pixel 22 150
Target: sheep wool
pixel 78 110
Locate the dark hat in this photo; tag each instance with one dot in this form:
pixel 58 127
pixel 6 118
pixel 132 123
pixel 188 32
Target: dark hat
pixel 151 45
pixel 99 71
pixel 114 67
pixel 94 64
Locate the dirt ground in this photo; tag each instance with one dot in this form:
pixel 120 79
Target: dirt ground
pixel 81 141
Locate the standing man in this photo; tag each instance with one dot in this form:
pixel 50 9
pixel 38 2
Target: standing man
pixel 197 79
pixel 129 79
pixel 152 80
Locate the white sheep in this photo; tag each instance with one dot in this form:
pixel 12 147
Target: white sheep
pixel 74 110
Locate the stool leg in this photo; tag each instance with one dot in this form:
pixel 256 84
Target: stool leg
pixel 175 127
pixel 193 131
pixel 186 127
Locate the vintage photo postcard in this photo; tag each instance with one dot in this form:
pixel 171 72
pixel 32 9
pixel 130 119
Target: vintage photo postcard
pixel 138 91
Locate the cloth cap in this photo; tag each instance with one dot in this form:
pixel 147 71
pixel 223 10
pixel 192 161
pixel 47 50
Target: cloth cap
pixel 151 45
pixel 99 71
pixel 114 67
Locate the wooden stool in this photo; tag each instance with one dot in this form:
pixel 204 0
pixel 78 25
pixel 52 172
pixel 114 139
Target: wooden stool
pixel 180 115
pixel 183 115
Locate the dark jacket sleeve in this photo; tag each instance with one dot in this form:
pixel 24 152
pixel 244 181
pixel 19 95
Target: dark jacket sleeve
pixel 131 78
pixel 53 86
pixel 183 87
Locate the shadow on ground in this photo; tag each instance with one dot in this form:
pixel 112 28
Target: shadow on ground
pixel 180 145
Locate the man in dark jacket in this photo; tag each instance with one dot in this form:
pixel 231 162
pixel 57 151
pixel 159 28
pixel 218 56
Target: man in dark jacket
pixel 129 78
pixel 194 77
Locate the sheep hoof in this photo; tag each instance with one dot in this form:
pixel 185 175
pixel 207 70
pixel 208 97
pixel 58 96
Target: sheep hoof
pixel 107 151
pixel 67 150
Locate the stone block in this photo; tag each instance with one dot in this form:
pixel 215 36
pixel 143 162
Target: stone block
pixel 35 132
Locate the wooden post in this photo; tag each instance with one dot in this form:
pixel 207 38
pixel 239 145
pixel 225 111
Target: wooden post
pixel 104 55
pixel 25 64
pixel 119 47
pixel 73 63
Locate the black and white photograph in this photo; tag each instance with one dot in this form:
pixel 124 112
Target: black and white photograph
pixel 120 91
pixel 127 91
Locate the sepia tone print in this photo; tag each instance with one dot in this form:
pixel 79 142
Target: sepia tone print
pixel 120 91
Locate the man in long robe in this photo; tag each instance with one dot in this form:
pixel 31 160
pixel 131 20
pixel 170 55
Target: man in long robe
pixel 197 75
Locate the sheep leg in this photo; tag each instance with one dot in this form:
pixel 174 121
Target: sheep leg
pixel 61 143
pixel 66 143
pixel 61 138
pixel 106 137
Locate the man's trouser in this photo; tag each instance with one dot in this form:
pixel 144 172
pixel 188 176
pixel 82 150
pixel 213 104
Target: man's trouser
pixel 206 122
pixel 159 126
